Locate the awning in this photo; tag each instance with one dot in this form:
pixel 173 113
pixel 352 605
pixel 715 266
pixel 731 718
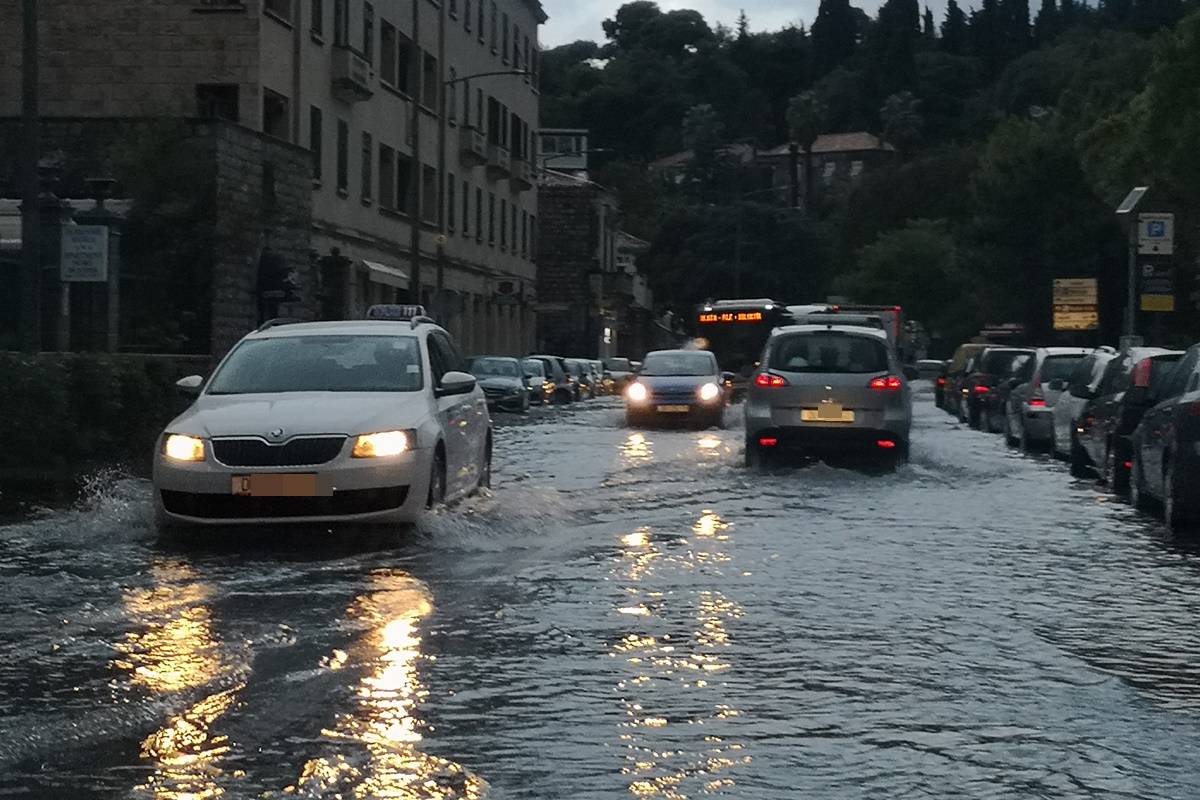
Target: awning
pixel 388 276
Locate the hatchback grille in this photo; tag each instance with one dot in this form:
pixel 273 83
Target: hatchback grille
pixel 302 452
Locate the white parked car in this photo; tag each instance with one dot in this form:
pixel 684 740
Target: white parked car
pixel 370 421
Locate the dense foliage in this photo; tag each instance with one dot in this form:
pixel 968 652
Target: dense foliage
pixel 1017 132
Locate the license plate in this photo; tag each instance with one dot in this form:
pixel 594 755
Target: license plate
pixel 288 485
pixel 826 412
pixel 673 409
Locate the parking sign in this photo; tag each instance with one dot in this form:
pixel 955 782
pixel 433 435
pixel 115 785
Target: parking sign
pixel 1156 234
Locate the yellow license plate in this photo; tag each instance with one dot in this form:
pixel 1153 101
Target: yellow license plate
pixel 826 412
pixel 288 485
pixel 673 409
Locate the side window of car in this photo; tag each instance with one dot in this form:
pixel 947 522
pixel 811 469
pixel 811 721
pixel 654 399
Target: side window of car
pixel 1184 370
pixel 1109 384
pixel 1083 373
pixel 455 356
pixel 439 359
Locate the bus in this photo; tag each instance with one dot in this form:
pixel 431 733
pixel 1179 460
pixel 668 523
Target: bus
pixel 735 331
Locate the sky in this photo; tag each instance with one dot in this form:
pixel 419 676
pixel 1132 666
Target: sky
pixel 580 19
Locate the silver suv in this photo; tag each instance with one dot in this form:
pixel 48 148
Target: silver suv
pixel 828 390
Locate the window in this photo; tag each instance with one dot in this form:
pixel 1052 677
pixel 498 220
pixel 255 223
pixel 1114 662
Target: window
pixel 452 96
pixel 217 101
pixel 404 64
pixel 279 8
pixel 479 215
pixel 828 352
pixel 368 47
pixel 467 15
pixel 528 63
pixel 341 22
pixel 387 52
pixel 343 156
pixel 452 8
pixel 503 223
pixel 480 119
pixel 451 205
pixel 827 171
pixel 494 23
pixel 533 242
pixel 431 81
pixel 492 218
pixel 494 129
pixel 367 172
pixel 513 227
pixel 429 193
pixel 275 114
pixel 856 168
pixel 387 177
pixel 315 135
pixel 524 233
pixel 466 208
pixel 516 46
pixel 404 183
pixel 481 20
pixel 317 23
pixel 504 34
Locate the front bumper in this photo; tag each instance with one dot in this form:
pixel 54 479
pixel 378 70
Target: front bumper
pixel 655 408
pixel 510 402
pixel 392 490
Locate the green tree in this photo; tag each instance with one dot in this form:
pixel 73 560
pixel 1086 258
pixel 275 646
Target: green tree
pixel 928 29
pixel 902 121
pixel 1047 24
pixel 954 29
pixel 807 116
pixel 834 35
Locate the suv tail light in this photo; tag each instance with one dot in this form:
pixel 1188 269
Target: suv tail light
pixel 889 383
pixel 1141 373
pixel 1037 402
pixel 981 389
pixel 941 381
pixel 768 381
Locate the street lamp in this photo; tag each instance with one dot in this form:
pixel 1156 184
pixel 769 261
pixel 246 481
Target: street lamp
pixel 1125 213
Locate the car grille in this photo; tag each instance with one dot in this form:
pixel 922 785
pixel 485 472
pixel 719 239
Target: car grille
pixel 493 392
pixel 301 452
pixel 228 506
pixel 679 396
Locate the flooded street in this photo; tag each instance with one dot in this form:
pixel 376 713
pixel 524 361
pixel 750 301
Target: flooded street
pixel 627 614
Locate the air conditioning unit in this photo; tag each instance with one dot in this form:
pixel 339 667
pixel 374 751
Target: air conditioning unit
pixel 353 76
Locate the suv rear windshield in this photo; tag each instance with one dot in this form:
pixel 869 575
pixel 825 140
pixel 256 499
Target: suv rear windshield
pixel 699 363
pixel 828 351
pixel 1161 368
pixel 1060 368
pixel 321 364
pixel 997 362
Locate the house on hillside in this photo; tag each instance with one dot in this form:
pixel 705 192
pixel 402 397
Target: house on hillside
pixel 840 160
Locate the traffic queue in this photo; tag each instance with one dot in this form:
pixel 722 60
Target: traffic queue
pixel 1129 417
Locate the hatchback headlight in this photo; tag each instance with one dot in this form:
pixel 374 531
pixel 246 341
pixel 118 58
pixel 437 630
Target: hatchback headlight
pixel 382 445
pixel 637 392
pixel 709 392
pixel 179 447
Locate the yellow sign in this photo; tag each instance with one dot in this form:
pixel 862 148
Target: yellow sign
pixel 1076 291
pixel 1158 302
pixel 1076 318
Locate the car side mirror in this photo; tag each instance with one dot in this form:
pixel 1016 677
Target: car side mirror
pixel 190 386
pixel 911 373
pixel 727 377
pixel 453 383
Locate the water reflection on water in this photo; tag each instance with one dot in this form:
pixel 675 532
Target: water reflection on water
pixel 376 744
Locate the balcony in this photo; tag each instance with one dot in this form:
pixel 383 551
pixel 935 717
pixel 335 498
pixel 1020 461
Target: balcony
pixel 472 146
pixel 353 77
pixel 522 175
pixel 499 162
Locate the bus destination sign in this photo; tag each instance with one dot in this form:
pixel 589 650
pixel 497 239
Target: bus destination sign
pixel 731 316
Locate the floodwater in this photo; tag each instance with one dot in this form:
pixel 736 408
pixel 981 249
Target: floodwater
pixel 627 614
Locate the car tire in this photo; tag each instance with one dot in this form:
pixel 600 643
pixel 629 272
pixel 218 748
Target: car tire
pixel 1079 460
pixel 1116 477
pixel 1137 486
pixel 1176 514
pixel 975 416
pixel 1023 442
pixel 562 397
pixel 754 456
pixel 485 472
pixel 526 402
pixel 437 480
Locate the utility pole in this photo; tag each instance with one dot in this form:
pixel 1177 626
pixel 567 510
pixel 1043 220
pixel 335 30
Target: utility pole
pixel 417 173
pixel 794 174
pixel 30 313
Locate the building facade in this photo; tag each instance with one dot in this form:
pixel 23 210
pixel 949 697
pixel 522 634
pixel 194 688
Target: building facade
pixel 419 116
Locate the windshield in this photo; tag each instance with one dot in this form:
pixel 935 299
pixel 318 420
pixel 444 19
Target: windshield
pixel 830 352
pixel 1059 368
pixel 663 364
pixel 534 368
pixel 321 364
pixel 618 364
pixel 495 367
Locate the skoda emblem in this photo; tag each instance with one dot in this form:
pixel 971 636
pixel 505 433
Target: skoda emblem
pixel 276 435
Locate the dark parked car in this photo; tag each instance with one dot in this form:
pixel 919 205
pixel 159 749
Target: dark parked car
pixel 580 372
pixel 1082 384
pixel 1115 409
pixel 503 382
pixel 939 386
pixel 1019 371
pixel 983 376
pixel 556 373
pixel 621 371
pixel 956 375
pixel 1165 464
pixel 541 388
pixel 1028 419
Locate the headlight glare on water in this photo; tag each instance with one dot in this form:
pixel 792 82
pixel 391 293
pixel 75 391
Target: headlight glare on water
pixel 637 392
pixel 381 445
pixel 178 447
pixel 709 392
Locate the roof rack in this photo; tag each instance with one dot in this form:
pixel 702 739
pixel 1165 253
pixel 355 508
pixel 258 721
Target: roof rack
pixel 277 322
pixel 423 321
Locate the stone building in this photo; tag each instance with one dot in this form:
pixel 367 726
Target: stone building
pixel 840 160
pixel 418 167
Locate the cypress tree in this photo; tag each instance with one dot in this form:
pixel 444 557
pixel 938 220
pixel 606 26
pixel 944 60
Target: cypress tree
pixel 834 35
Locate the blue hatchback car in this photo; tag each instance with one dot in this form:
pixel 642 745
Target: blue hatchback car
pixel 678 385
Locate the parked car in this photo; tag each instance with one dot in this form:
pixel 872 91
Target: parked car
pixel 1019 371
pixel 828 390
pixel 956 375
pixel 1165 461
pixel 939 386
pixel 1114 410
pixel 370 421
pixel 983 376
pixel 684 385
pixel 601 381
pixel 621 371
pixel 1080 386
pixel 1028 420
pixel 556 373
pixel 580 372
pixel 929 369
pixel 503 382
pixel 541 388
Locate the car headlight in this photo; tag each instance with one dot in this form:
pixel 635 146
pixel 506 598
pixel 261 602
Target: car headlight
pixel 637 392
pixel 709 391
pixel 382 445
pixel 179 447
